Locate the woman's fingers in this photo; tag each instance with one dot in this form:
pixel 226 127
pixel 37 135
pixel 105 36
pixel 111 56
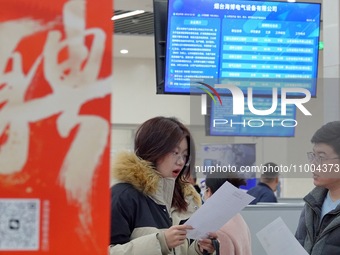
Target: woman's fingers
pixel 176 235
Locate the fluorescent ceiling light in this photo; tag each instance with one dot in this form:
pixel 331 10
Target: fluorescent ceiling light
pixel 124 51
pixel 128 14
pixel 291 1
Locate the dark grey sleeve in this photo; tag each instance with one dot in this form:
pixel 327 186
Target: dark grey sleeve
pixel 301 230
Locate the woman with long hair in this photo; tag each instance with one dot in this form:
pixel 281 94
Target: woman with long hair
pixel 150 197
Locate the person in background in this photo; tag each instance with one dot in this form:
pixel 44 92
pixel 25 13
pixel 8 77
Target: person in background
pixel 150 196
pixel 193 181
pixel 264 190
pixel 318 230
pixel 234 236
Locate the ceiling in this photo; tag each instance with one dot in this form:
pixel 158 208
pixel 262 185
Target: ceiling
pixel 136 33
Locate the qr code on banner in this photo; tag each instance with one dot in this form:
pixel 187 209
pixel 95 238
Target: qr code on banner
pixel 19 224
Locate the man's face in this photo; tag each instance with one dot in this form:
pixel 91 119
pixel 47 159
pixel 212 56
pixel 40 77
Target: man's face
pixel 326 166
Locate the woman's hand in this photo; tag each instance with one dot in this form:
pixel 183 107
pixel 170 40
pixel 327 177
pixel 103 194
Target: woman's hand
pixel 206 244
pixel 176 235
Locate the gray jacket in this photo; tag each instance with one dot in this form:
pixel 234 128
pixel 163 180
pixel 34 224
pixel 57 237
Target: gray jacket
pixel 319 238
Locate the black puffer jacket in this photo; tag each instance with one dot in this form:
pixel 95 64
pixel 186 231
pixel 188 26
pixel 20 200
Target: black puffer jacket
pixel 319 238
pixel 141 209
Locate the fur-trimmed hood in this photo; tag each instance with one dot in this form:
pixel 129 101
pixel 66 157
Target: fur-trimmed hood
pixel 139 173
pixel 129 168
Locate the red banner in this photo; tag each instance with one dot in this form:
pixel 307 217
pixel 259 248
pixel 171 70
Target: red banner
pixel 55 89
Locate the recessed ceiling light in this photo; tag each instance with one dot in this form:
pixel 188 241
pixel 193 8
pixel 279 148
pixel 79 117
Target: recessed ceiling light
pixel 128 14
pixel 124 51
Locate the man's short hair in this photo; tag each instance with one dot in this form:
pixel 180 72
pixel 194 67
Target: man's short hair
pixel 329 134
pixel 270 171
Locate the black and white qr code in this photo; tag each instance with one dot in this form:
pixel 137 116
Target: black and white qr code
pixel 19 224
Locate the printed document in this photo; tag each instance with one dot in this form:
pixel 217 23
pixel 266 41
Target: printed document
pixel 277 239
pixel 225 203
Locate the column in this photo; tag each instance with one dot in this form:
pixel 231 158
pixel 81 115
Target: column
pixel 331 60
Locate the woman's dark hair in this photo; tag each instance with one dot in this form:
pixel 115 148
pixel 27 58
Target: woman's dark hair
pixel 215 180
pixel 157 137
pixel 330 135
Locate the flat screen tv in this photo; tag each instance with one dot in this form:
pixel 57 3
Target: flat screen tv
pixel 268 43
pixel 221 121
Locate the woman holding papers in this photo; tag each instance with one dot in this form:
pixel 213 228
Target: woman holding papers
pixel 150 197
pixel 234 236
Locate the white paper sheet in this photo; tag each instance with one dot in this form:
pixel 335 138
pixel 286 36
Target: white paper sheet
pixel 226 202
pixel 277 239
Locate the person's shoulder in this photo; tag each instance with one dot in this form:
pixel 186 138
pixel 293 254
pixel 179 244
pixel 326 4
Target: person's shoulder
pixel 253 189
pixel 264 187
pixel 124 191
pixel 235 224
pixel 316 196
pixel 122 186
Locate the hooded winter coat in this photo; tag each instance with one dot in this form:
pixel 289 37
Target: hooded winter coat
pixel 141 209
pixel 319 238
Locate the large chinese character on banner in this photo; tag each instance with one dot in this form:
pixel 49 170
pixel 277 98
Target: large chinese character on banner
pixel 55 89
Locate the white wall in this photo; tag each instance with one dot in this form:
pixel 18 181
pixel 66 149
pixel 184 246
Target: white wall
pixel 135 100
pixel 134 94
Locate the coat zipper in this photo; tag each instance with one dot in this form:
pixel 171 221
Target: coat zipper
pixel 323 233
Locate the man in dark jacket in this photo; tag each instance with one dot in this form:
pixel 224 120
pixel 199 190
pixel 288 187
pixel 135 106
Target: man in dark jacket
pixel 264 190
pixel 319 226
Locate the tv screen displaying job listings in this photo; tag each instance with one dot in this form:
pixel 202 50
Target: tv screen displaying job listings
pixel 265 42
